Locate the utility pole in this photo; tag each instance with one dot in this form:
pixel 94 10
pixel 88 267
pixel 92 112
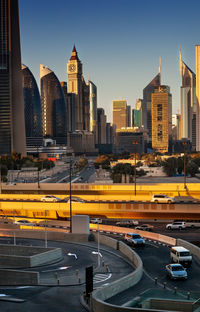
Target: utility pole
pixel 185 144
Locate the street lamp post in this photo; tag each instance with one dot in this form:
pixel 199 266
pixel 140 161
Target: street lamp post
pixel 70 193
pixel 45 228
pixel 184 144
pixel 98 247
pixel 135 142
pixel 14 237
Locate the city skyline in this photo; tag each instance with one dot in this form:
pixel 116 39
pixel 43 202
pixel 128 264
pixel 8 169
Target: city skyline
pixel 119 45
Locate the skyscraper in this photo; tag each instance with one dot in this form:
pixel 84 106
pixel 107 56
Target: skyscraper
pixel 198 97
pixel 12 127
pixel 53 106
pixel 161 119
pixel 188 103
pixel 74 71
pixel 101 126
pixel 146 104
pixel 32 106
pixel 120 114
pixel 93 105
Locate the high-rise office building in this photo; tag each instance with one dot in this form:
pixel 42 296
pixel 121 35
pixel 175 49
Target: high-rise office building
pixel 136 118
pixel 86 105
pixel 146 104
pixel 32 107
pixel 74 71
pixel 53 106
pixel 101 126
pixel 161 119
pixel 120 113
pixel 12 126
pixel 198 97
pixel 188 103
pixel 128 115
pixel 93 107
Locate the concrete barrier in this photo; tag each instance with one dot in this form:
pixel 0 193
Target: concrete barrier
pixel 192 248
pixel 16 256
pixel 13 277
pixel 99 296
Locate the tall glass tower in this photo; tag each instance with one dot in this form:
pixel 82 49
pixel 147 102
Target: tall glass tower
pixel 12 127
pixel 32 105
pixel 54 112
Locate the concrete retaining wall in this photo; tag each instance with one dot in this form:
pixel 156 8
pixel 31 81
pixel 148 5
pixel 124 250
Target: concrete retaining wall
pixel 46 257
pixel 100 295
pixel 192 248
pixel 12 277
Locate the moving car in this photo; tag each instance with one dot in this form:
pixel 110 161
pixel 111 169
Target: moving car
pixel 74 199
pixel 176 225
pixel 50 198
pixel 176 271
pixel 180 254
pixel 127 223
pixel 134 239
pixel 145 227
pixel 24 222
pixel 162 199
pixel 95 220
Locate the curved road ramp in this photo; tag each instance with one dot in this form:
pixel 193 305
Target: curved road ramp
pixel 13 257
pixel 100 295
pixel 151 300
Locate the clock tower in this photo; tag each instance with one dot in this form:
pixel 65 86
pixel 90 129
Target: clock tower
pixel 74 71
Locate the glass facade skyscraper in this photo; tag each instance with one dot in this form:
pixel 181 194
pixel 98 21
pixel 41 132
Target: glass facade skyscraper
pixel 32 104
pixel 12 128
pixel 54 113
pixel 146 103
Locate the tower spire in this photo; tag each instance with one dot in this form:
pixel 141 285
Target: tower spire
pixel 74 55
pixel 181 63
pixel 159 70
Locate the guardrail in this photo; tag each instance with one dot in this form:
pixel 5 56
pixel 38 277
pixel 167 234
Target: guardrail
pixel 99 296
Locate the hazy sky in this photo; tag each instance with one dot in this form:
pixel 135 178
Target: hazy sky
pixel 118 41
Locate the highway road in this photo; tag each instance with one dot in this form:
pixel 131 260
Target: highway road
pixel 66 297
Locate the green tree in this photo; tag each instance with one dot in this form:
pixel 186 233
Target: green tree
pixel 192 168
pixel 169 166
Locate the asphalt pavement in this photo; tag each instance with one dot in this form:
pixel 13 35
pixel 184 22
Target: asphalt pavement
pixel 63 283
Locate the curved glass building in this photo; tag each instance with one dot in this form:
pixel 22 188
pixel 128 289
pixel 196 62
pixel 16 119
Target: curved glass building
pixel 12 128
pixel 32 104
pixel 54 111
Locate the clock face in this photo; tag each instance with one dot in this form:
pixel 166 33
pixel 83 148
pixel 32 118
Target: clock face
pixel 72 67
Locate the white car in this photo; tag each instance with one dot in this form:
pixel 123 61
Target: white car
pixel 50 198
pixel 96 220
pixel 176 271
pixel 178 225
pixel 24 222
pixel 162 199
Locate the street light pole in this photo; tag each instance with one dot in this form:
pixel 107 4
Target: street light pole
pixel 135 142
pixel 98 247
pixel 184 144
pixel 45 227
pixel 70 193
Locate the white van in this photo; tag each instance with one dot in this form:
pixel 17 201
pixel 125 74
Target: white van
pixel 180 255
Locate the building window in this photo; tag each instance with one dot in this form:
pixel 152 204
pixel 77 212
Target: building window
pixel 159 133
pixel 159 112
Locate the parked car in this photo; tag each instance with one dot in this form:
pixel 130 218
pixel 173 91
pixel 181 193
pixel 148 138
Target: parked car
pixel 145 227
pixel 162 199
pixel 134 239
pixel 127 223
pixel 74 199
pixel 96 220
pixel 177 225
pixel 176 271
pixel 50 198
pixel 24 222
